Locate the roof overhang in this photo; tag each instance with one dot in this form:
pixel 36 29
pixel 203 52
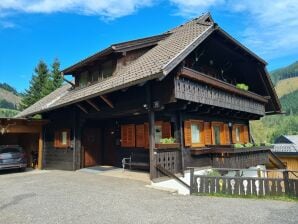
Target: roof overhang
pixel 21 125
pixel 116 48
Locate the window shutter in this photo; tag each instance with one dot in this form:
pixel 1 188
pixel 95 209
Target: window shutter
pixel 128 135
pixel 166 130
pixel 222 135
pixel 140 135
pixel 207 131
pixel 146 135
pixel 123 136
pixel 234 135
pixel 56 139
pixel 227 134
pixel 245 134
pixel 187 133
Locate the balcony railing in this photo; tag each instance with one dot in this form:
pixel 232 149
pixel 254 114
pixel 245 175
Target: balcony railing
pixel 197 87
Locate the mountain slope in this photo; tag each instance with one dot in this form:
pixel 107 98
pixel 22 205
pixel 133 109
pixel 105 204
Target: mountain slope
pixel 9 100
pixel 286 86
pixel 289 71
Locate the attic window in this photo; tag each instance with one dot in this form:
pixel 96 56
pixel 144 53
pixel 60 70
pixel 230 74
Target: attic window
pixel 208 20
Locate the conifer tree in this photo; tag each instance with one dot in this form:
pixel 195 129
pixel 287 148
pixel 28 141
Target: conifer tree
pixel 37 85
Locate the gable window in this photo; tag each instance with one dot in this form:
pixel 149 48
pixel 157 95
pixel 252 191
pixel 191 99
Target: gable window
pixel 84 79
pixel 62 138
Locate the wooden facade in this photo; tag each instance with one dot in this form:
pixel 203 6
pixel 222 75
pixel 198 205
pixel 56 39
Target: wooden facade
pixel 27 133
pixel 170 118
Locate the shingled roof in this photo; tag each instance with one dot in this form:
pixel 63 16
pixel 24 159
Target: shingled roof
pixel 168 50
pixel 155 63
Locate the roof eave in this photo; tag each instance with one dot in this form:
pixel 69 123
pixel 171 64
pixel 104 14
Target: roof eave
pixel 228 36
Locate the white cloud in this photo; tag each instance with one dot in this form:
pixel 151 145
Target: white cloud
pixel 271 25
pixel 189 8
pixel 109 9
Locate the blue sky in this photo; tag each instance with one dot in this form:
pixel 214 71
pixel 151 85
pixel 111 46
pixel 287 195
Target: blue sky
pixel 71 30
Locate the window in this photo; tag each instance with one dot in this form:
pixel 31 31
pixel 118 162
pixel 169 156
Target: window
pixel 240 134
pixel 237 132
pixel 220 133
pixel 158 133
pixel 216 129
pixel 194 133
pixel 83 79
pixel 107 69
pixel 62 138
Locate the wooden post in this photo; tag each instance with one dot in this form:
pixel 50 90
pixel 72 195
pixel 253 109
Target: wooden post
pixel 286 181
pixel 151 122
pixel 40 150
pixel 181 139
pixel 151 118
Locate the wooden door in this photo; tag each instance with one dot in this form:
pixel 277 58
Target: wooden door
pixel 109 146
pixel 91 142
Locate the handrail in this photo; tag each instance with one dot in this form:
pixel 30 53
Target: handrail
pixel 170 174
pixel 199 76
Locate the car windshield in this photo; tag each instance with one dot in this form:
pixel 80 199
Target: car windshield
pixel 10 150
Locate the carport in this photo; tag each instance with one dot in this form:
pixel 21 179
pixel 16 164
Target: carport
pixel 24 132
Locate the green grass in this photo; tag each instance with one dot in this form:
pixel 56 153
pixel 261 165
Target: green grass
pixel 279 198
pixel 8 112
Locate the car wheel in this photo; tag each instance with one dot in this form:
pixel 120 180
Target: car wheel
pixel 23 169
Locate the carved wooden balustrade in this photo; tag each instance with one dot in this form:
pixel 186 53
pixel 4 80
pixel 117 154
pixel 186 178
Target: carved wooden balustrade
pixel 205 94
pixel 243 186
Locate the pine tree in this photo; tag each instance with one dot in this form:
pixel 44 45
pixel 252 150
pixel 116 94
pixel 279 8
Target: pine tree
pixel 56 77
pixel 37 85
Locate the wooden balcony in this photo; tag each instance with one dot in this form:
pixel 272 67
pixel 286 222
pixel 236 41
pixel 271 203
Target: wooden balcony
pixel 198 87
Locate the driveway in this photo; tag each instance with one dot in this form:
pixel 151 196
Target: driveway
pixel 78 197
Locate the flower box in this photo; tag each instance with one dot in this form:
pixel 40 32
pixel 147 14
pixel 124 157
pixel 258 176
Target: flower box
pixel 167 146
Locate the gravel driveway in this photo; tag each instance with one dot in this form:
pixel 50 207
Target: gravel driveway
pixel 76 197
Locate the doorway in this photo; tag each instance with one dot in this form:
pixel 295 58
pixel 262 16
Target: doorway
pixel 91 142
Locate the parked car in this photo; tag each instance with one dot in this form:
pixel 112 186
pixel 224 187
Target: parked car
pixel 12 157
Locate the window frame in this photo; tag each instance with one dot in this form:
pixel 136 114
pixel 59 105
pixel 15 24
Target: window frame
pixel 200 123
pixel 221 132
pixel 58 135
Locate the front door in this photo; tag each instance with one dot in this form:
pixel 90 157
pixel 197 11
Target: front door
pixel 91 142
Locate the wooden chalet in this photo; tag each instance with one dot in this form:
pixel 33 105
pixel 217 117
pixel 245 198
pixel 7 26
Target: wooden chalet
pixel 130 98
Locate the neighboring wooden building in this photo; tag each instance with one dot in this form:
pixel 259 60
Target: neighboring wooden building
pixel 179 84
pixel 286 148
pixel 26 133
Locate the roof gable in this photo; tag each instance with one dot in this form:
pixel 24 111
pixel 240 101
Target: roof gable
pixel 170 49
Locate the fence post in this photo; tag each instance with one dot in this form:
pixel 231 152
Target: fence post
pixel 191 189
pixel 286 181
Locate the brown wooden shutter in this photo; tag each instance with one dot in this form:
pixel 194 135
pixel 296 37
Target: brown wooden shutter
pixel 56 139
pixel 128 135
pixel 166 130
pixel 146 135
pixel 140 135
pixel 222 135
pixel 207 132
pixel 227 134
pixel 234 139
pixel 187 133
pixel 245 134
